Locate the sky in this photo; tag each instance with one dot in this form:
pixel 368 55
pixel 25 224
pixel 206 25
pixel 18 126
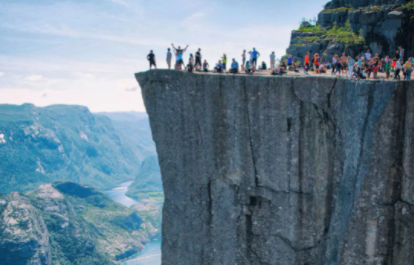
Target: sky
pixel 85 52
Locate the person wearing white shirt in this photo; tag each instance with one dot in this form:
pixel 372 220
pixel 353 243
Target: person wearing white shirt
pixel 368 55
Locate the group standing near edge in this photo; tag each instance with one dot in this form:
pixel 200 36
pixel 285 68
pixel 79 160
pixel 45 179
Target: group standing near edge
pixel 196 63
pixel 361 67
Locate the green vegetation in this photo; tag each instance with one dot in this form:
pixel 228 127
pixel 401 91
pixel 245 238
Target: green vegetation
pixel 43 145
pixel 83 225
pixel 335 10
pixel 409 6
pixel 316 29
pixel 372 8
pixel 148 183
pixel 344 35
pixel 336 34
pixel 311 39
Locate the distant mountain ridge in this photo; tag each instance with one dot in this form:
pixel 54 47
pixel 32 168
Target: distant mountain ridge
pixel 61 142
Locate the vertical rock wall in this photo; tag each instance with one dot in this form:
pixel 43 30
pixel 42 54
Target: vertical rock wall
pixel 263 170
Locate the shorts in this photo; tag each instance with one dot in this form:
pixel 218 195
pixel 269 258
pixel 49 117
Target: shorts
pixel 152 63
pixel 254 60
pixel 180 61
pixel 198 61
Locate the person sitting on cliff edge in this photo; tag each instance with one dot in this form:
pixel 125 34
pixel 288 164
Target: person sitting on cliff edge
pixel 219 67
pixel 190 66
pixel 205 66
pixel 234 67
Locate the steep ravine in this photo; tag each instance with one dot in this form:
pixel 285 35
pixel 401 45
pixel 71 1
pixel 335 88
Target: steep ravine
pixel 279 170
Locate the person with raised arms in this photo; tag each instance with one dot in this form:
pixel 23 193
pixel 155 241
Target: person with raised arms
pixel 179 56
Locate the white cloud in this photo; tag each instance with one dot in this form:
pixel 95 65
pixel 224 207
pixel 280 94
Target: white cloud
pixel 2 74
pixel 33 78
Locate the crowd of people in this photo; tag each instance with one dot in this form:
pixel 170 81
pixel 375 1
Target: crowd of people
pixel 364 66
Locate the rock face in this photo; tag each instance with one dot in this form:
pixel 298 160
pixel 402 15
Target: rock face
pixel 263 170
pixel 385 25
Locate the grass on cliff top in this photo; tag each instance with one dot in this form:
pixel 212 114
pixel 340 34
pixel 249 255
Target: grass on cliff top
pixel 336 34
pixel 344 35
pixel 409 6
pixel 339 9
pixel 316 29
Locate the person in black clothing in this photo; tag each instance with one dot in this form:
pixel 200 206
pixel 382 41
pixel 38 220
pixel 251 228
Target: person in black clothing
pixel 205 66
pixel 198 59
pixel 190 67
pixel 151 59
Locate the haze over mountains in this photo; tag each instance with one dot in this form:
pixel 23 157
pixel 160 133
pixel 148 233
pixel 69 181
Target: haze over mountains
pixel 60 142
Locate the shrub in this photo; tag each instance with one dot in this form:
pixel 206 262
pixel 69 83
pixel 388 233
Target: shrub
pixel 344 35
pixel 335 10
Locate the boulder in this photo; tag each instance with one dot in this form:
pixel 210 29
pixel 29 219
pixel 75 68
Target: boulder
pixel 371 17
pixel 396 14
pixel 306 24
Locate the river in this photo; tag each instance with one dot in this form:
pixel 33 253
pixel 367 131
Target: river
pixel 151 255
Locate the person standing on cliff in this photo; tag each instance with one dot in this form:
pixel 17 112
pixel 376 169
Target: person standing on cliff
pixel 243 59
pixel 401 54
pixel 179 56
pixel 368 55
pixel 350 63
pixel 198 59
pixel 151 59
pixel 169 57
pixel 387 67
pixel 255 55
pixel 272 61
pixel 307 63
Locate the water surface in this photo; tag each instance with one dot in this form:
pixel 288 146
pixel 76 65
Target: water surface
pixel 151 255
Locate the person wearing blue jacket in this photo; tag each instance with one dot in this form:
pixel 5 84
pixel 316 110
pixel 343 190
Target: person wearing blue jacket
pixel 234 67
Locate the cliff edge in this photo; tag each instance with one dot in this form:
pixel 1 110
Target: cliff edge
pixel 278 170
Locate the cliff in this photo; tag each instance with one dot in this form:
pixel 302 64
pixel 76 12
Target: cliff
pixel 278 170
pixel 379 25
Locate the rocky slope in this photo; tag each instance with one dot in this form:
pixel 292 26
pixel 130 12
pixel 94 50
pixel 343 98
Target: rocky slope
pixel 41 145
pixel 263 170
pixel 148 181
pixel 384 25
pixel 66 223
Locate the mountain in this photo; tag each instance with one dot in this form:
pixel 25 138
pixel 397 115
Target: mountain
pixel 60 142
pixel 135 129
pixel 148 182
pixel 67 223
pixel 354 26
